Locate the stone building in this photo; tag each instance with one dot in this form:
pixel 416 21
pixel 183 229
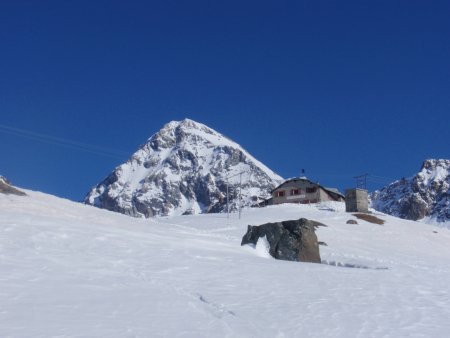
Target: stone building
pixel 356 200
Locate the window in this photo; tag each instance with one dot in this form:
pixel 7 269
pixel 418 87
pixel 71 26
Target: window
pixel 279 193
pixel 311 190
pixel 295 192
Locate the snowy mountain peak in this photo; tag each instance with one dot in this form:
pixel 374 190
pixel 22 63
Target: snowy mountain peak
pixel 184 168
pixel 434 172
pixel 186 124
pixel 180 133
pixel 191 124
pixel 423 195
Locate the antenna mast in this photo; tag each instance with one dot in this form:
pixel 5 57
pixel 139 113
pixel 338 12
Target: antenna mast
pixel 361 181
pixel 240 194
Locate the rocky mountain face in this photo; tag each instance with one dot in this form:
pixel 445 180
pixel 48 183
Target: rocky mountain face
pixel 183 169
pixel 423 195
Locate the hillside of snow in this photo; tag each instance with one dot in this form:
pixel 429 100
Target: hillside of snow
pixel 185 168
pixel 72 270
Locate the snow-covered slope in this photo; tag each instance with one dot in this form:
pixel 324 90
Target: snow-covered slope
pixel 71 270
pixel 183 168
pixel 425 195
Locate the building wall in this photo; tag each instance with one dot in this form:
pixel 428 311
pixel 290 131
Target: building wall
pixel 356 200
pixel 302 197
pixel 324 196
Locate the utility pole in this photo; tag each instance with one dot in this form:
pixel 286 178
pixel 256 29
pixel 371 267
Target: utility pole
pixel 240 194
pixel 228 204
pixel 361 181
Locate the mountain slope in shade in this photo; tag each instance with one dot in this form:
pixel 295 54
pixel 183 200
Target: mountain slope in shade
pixel 184 168
pixel 425 195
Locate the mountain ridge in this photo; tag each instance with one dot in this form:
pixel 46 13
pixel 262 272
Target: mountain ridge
pixel 184 168
pixel 424 195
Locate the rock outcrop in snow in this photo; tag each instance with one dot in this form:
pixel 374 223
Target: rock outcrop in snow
pixel 423 195
pixel 293 240
pixel 182 169
pixel 7 189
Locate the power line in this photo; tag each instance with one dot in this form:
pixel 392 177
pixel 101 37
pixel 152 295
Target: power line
pixel 80 146
pixel 383 178
pixel 379 181
pixel 240 192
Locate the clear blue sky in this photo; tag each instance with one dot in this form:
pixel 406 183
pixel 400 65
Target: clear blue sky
pixel 336 87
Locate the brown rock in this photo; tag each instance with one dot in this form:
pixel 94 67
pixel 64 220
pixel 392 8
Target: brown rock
pixel 294 240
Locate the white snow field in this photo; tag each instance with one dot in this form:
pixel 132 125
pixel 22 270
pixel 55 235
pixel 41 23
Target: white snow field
pixel 71 270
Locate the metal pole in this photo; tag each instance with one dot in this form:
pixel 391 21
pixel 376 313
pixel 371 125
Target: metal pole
pixel 361 181
pixel 228 205
pixel 240 194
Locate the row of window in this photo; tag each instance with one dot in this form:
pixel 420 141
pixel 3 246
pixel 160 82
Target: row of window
pixel 294 192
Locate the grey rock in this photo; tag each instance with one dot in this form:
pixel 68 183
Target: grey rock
pixel 351 221
pixel 293 240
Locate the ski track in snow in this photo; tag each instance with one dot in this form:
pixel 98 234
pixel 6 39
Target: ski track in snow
pixel 71 270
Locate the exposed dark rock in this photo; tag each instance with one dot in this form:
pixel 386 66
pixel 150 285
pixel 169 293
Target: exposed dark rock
pixel 189 212
pixel 294 240
pixel 351 221
pixel 413 207
pixel 369 218
pixel 7 189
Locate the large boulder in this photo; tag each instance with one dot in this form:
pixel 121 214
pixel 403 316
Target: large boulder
pixel 293 240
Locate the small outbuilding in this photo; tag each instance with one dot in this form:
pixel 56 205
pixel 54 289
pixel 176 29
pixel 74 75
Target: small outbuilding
pixel 302 190
pixel 356 200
